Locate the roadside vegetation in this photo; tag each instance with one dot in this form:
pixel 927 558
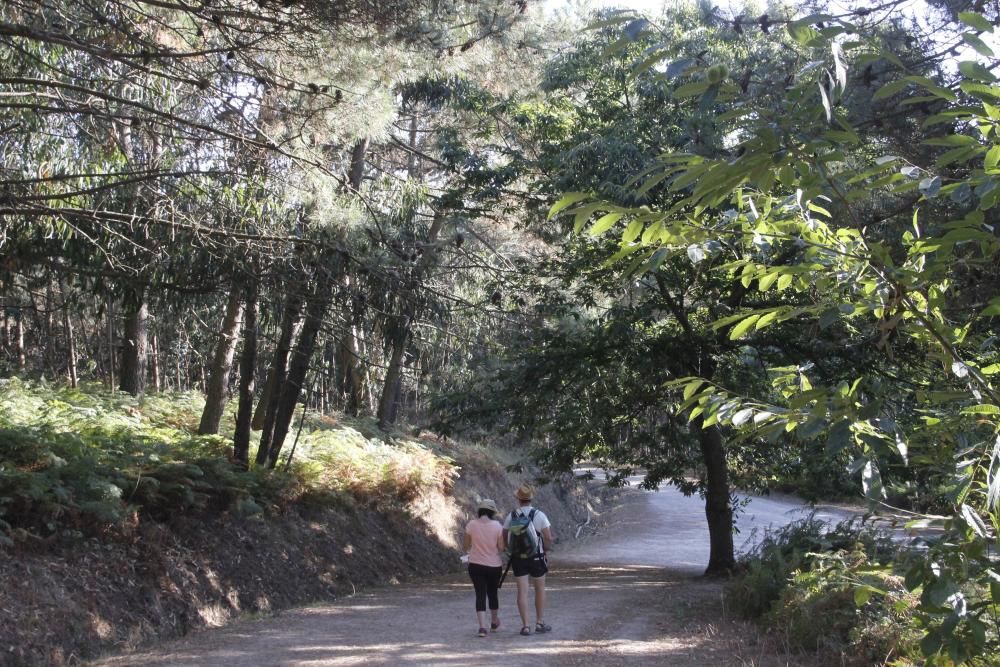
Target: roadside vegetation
pixel 86 461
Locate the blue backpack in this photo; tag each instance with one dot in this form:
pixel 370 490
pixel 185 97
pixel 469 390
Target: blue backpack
pixel 522 538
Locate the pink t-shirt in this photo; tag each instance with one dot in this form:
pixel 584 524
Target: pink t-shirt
pixel 484 534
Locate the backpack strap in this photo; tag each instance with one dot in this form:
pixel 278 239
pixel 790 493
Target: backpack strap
pixel 538 535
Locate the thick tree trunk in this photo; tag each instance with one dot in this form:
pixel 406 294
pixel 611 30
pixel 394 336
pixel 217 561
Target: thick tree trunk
pixel 248 367
pixel 352 378
pixel 267 406
pixel 134 347
pixel 718 511
pixel 222 363
pixel 291 388
pixel 393 376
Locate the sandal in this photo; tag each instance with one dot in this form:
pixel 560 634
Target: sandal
pixel 541 627
pixel 495 625
pixel 526 631
pixel 483 632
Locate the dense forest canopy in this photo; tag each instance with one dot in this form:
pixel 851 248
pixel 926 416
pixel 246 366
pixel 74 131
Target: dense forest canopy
pixel 720 246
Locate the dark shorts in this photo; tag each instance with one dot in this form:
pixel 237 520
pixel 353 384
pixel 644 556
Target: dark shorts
pixel 532 567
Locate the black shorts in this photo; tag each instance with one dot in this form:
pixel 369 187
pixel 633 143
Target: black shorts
pixel 532 567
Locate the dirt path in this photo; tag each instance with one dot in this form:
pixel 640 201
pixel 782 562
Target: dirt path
pixel 630 596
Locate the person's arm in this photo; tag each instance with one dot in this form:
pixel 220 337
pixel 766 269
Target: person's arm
pixel 501 541
pixel 547 536
pixel 467 542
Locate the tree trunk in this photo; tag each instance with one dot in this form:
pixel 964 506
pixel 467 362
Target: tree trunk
pixel 388 402
pixel 134 347
pixel 222 363
pixel 718 511
pixel 111 343
pixel 154 359
pixel 267 406
pixel 48 352
pixel 393 375
pixel 19 341
pixel 248 367
pixel 299 365
pixel 70 341
pixel 352 379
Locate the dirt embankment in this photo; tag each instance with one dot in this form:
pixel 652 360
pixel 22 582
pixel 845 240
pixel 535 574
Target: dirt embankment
pixel 67 604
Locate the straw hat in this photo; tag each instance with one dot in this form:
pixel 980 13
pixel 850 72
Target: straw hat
pixel 487 504
pixel 525 492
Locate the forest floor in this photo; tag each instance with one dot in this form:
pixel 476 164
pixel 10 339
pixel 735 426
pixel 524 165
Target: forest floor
pixel 629 595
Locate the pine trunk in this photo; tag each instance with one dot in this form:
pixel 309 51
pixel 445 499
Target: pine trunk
pixel 267 406
pixel 70 343
pixel 248 367
pixel 154 359
pixel 387 406
pixel 134 348
pixel 291 388
pixel 222 363
pixel 19 341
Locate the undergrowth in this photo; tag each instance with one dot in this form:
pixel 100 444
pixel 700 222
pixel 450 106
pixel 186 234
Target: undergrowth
pixel 88 461
pixel 841 592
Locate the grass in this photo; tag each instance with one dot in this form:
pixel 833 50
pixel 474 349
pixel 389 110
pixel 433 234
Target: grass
pixel 87 461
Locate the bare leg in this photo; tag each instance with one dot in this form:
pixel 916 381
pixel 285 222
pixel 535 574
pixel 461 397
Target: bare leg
pixel 522 599
pixel 481 615
pixel 539 584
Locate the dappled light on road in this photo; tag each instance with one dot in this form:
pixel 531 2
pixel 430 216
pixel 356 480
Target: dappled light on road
pixel 629 596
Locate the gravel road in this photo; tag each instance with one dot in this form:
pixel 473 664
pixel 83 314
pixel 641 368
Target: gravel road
pixel 628 596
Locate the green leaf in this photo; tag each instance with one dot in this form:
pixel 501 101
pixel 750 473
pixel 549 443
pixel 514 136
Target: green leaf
pixel 973 70
pixel 890 89
pixel 582 215
pixel 992 310
pixel 825 98
pixel 743 327
pixel 982 409
pixel 742 416
pixel 767 280
pixel 691 89
pixel 978 44
pixel 566 201
pixel 930 187
pixel 804 34
pixel 604 223
pixel 952 140
pixel 992 158
pixel 632 231
pixel 871 481
pixel 977 21
pixel 692 387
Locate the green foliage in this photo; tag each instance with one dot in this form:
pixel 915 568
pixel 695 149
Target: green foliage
pixel 835 590
pixel 89 461
pixel 863 217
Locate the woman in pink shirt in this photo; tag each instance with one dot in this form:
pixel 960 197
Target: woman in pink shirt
pixel 484 544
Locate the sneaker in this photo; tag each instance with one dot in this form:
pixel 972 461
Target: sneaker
pixel 541 627
pixel 483 632
pixel 495 625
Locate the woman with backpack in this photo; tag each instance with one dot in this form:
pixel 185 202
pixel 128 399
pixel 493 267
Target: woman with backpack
pixel 484 543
